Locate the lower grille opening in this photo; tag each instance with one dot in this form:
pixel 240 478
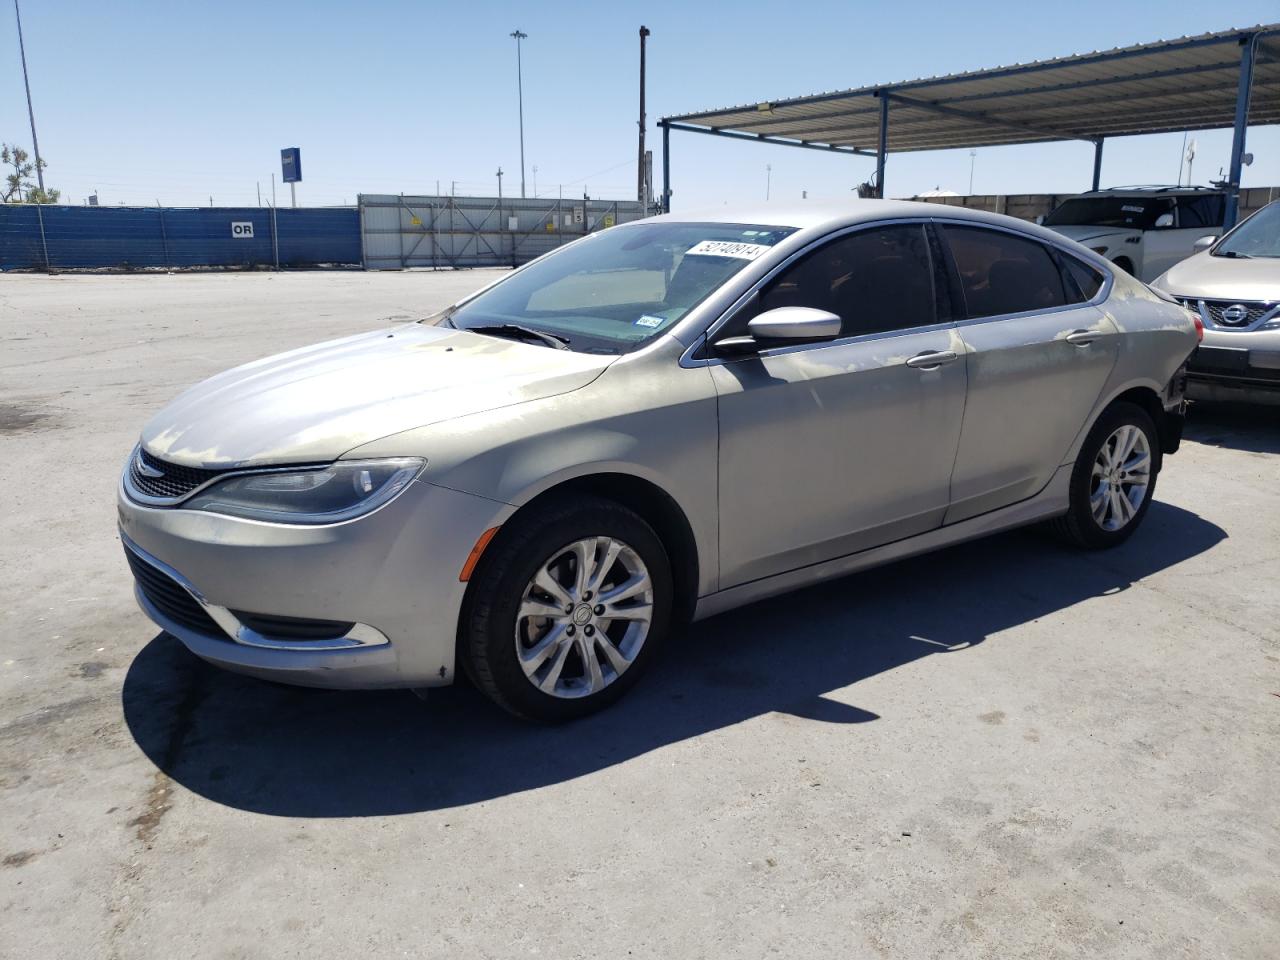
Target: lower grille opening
pixel 171 598
pixel 292 628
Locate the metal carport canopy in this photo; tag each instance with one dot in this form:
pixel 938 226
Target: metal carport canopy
pixel 1215 80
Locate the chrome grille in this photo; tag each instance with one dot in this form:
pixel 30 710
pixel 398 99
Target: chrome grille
pixel 1236 314
pixel 174 482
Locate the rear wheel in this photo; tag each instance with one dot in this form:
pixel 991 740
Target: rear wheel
pixel 567 608
pixel 1114 478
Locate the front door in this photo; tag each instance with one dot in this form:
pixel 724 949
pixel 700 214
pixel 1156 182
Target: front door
pixel 831 448
pixel 1194 217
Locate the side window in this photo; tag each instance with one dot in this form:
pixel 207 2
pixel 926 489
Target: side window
pixel 1086 280
pixel 875 280
pixel 1003 273
pixel 1208 211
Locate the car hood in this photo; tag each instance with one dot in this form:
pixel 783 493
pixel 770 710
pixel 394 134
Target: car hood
pixel 314 404
pixel 1223 278
pixel 1082 233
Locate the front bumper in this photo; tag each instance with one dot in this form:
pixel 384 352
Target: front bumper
pixel 389 580
pixel 1236 366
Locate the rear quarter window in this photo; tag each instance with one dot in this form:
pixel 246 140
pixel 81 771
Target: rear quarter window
pixel 1083 281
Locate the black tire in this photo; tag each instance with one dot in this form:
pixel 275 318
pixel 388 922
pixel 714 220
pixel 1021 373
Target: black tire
pixel 488 635
pixel 1078 525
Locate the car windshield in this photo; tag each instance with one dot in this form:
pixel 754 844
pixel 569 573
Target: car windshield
pixel 1259 236
pixel 1135 213
pixel 614 291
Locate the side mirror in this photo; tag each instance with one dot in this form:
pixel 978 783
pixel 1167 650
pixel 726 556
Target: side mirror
pixel 1204 243
pixel 1039 219
pixel 1164 220
pixel 784 325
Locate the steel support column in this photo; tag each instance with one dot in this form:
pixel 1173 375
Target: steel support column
pixel 1243 90
pixel 1097 162
pixel 666 168
pixel 883 146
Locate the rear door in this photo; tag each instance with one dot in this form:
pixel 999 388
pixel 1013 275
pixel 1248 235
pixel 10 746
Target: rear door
pixel 1038 355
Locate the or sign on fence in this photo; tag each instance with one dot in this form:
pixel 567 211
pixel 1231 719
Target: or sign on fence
pixel 291 164
pixel 242 229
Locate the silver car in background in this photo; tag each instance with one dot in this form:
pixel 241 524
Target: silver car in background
pixel 1234 285
pixel 659 422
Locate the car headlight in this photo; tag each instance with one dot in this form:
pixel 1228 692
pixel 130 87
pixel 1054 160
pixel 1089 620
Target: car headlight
pixel 340 491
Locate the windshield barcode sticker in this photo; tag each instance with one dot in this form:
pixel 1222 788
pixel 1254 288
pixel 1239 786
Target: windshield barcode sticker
pixel 727 248
pixel 648 320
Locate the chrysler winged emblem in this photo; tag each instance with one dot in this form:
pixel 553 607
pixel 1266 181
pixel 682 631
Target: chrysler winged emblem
pixel 146 469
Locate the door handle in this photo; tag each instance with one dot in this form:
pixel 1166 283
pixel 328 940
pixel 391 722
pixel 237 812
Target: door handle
pixel 931 359
pixel 1082 338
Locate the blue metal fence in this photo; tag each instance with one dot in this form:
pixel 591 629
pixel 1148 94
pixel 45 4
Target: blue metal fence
pixel 58 237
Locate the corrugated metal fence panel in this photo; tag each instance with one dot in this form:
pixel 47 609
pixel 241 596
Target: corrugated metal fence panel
pixel 426 231
pixel 140 237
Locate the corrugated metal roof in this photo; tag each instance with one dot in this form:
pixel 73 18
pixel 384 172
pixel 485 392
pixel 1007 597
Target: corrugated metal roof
pixel 1171 85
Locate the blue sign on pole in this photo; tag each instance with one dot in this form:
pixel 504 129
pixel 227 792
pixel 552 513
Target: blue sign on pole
pixel 291 164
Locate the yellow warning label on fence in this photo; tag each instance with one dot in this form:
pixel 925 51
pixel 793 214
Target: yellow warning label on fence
pixel 551 226
pixel 608 220
pixel 416 221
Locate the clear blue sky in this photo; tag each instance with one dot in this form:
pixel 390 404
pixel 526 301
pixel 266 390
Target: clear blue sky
pixel 179 101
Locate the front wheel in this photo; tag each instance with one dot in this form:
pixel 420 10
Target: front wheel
pixel 1113 480
pixel 566 609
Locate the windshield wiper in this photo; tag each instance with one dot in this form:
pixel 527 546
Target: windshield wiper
pixel 528 333
pixel 1233 255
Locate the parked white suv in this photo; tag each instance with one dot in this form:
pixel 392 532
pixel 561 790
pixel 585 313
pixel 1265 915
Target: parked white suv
pixel 1142 230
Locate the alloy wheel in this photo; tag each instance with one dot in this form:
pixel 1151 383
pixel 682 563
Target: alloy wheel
pixel 1120 478
pixel 584 617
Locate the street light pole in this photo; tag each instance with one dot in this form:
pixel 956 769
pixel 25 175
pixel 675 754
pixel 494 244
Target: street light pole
pixel 520 86
pixel 641 193
pixel 31 114
pixel 973 158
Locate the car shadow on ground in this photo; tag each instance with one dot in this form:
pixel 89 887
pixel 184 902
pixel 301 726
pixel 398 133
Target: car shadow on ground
pixel 1238 426
pixel 309 753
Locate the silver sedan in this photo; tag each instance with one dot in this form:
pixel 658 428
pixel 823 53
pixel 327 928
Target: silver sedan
pixel 654 424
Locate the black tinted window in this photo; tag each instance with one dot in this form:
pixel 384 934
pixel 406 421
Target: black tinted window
pixel 1086 280
pixel 875 280
pixel 1140 213
pixel 1207 211
pixel 1002 273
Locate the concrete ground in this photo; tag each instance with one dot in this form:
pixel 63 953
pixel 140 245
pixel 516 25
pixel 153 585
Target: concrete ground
pixel 1008 749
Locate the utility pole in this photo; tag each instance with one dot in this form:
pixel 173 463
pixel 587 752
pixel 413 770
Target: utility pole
pixel 973 158
pixel 640 184
pixel 768 179
pixel 520 88
pixel 535 181
pixel 499 191
pixel 31 114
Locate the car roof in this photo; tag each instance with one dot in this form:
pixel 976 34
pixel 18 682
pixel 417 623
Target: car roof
pixel 828 215
pixel 1141 190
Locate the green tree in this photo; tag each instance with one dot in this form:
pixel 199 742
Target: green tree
pixel 18 187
